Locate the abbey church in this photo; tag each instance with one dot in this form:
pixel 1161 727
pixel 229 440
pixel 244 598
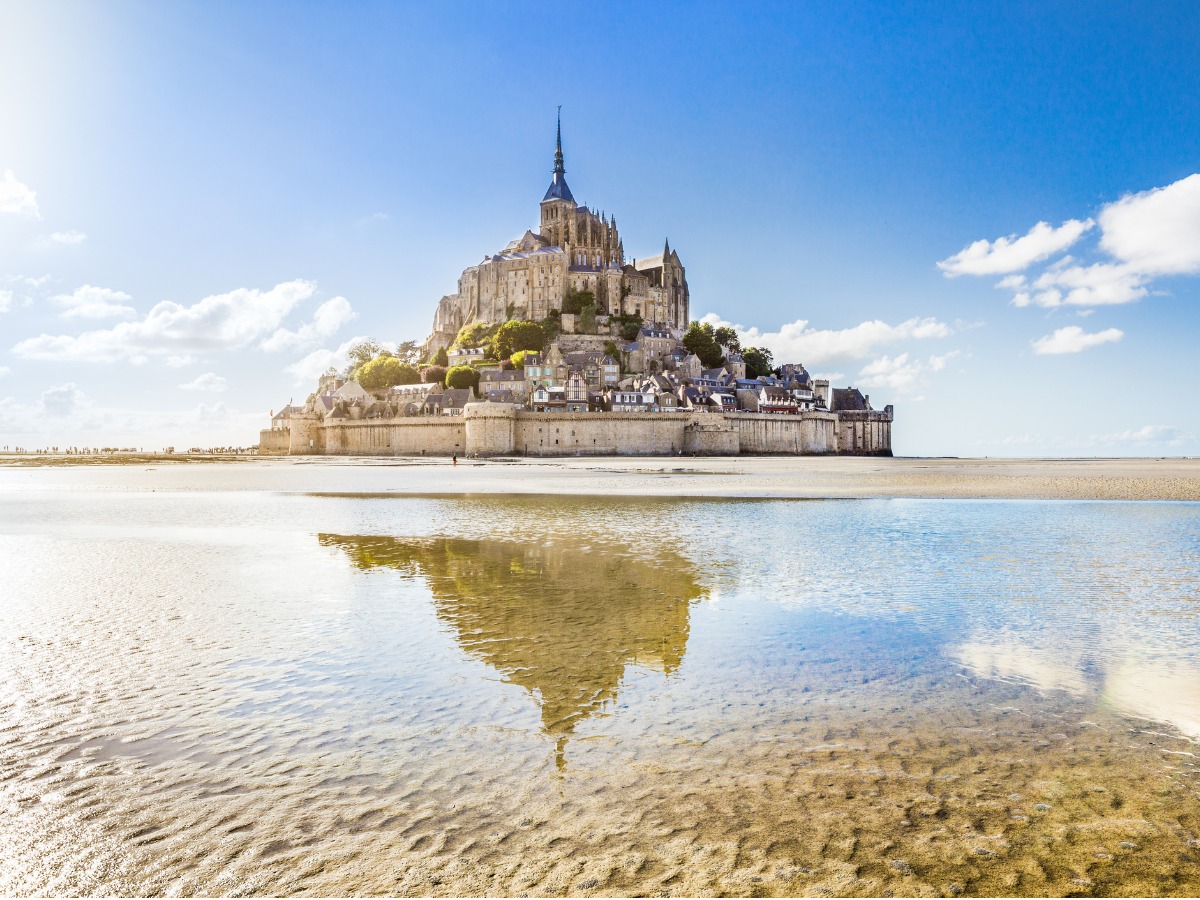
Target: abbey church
pixel 574 248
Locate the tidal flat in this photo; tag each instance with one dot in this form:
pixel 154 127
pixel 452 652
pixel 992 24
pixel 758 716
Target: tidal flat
pixel 289 679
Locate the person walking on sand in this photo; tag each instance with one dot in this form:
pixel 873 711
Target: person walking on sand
pixel 454 460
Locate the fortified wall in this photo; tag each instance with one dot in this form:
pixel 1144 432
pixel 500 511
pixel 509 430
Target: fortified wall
pixel 497 429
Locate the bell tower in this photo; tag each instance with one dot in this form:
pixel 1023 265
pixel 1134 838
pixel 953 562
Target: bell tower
pixel 558 206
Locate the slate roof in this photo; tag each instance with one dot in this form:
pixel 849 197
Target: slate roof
pixel 456 398
pixel 493 376
pixel 849 399
pixel 558 189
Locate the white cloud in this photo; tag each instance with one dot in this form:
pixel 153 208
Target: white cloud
pixel 68 237
pixel 16 198
pixel 219 322
pixel 179 361
pixel 1146 235
pixel 1157 232
pixel 1074 339
pixel 797 342
pixel 1100 284
pixel 90 302
pixel 65 416
pixel 6 301
pixel 329 317
pixel 900 374
pixel 28 281
pixel 311 367
pixel 1012 253
pixel 1147 434
pixel 4 370
pixel 209 381
pixel 62 401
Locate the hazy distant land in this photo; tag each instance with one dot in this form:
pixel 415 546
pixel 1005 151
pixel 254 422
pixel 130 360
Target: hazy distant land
pixel 799 477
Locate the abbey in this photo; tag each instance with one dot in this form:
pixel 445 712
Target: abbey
pixel 608 375
pixel 575 248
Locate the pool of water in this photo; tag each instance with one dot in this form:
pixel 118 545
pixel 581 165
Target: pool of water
pixel 252 691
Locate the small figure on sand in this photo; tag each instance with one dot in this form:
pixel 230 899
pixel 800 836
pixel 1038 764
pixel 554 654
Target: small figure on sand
pixel 454 459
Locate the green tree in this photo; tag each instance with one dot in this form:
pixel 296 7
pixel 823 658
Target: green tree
pixel 385 371
pixel 440 358
pixel 434 375
pixel 758 360
pixel 517 335
pixel 610 347
pixel 363 352
pixel 474 334
pixel 727 338
pixel 462 377
pixel 551 326
pixel 587 320
pixel 699 339
pixel 409 352
pixel 518 358
pixel 630 325
pixel 575 301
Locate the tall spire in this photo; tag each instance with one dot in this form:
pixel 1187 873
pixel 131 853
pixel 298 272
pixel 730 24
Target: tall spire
pixel 559 169
pixel 558 189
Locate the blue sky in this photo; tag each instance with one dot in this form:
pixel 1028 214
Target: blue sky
pixel 201 203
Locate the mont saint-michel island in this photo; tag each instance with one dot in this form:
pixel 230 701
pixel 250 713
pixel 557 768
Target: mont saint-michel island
pixel 561 345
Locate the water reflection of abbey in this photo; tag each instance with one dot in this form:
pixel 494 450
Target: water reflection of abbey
pixel 562 622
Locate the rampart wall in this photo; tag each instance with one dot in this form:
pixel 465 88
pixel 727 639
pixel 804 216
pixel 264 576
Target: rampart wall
pixel 599 434
pixel 808 433
pixel 274 441
pixel 494 429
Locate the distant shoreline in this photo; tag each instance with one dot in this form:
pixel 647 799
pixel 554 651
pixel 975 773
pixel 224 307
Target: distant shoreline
pixel 766 477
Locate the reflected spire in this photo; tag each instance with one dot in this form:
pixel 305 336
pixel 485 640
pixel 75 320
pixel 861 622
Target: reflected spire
pixel 563 622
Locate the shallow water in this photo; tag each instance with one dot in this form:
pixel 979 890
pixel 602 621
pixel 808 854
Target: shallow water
pixel 239 691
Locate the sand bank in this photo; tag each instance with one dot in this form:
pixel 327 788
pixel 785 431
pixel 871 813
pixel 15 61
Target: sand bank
pixel 792 477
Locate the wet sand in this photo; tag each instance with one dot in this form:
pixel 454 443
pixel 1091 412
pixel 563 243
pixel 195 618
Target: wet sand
pixel 766 477
pixel 234 687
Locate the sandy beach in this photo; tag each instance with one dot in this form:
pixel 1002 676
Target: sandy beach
pixel 778 477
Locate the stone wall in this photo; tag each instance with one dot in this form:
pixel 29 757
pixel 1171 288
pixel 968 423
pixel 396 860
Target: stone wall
pixel 599 434
pixel 416 436
pixel 865 432
pixel 497 429
pixel 807 433
pixel 274 441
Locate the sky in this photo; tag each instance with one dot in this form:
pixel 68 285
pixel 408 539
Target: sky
pixel 987 215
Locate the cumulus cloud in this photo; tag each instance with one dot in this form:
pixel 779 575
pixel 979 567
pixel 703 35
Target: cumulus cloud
pixel 6 301
pixel 326 321
pixel 1145 236
pixel 90 302
pixel 798 342
pixel 1100 284
pixel 1012 253
pixel 209 381
pixel 900 374
pixel 216 323
pixel 1157 232
pixel 16 198
pixel 311 367
pixel 62 401
pixel 1074 339
pixel 68 237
